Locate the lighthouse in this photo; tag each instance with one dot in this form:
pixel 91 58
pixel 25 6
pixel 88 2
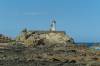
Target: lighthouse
pixel 53 25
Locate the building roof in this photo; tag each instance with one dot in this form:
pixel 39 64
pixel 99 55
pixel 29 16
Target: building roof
pixel 44 31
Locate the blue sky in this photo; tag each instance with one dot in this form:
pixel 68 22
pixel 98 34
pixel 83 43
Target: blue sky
pixel 79 18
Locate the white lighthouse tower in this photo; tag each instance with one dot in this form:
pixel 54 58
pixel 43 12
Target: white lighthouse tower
pixel 53 25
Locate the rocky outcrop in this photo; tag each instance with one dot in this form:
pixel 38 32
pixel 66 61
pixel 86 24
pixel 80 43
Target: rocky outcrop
pixel 41 55
pixel 44 37
pixel 4 39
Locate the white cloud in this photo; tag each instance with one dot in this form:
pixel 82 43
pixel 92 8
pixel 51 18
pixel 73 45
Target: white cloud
pixel 35 13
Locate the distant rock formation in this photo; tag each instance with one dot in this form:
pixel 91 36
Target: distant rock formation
pixel 44 37
pixel 4 39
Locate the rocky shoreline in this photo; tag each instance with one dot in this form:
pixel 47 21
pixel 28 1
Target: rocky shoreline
pixel 42 56
pixel 37 63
